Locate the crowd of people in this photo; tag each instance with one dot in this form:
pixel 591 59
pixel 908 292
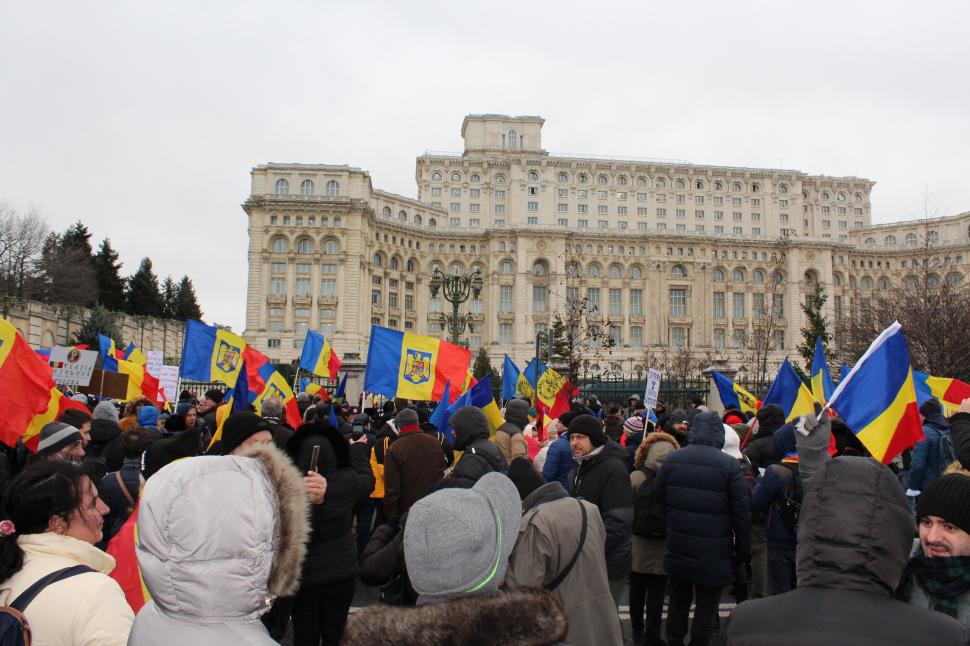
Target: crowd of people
pixel 129 525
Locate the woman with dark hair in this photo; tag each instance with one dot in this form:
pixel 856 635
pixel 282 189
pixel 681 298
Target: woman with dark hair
pixel 327 587
pixel 51 519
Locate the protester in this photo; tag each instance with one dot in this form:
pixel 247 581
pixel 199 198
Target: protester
pixel 105 445
pixel 481 456
pixel 855 533
pixel 561 548
pixel 148 419
pixel 327 587
pixel 218 539
pixel 708 527
pixel 553 428
pixel 678 424
pixel 380 446
pixel 601 477
pixel 938 573
pixel 648 579
pixel 275 415
pixel 120 489
pixel 559 458
pixel 50 520
pixel 633 433
pixel 81 420
pixel 413 465
pixel 927 459
pixel 241 430
pixel 60 441
pixel 130 419
pixel 508 437
pixel 778 494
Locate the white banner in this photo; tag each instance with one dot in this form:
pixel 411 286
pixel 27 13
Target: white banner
pixel 155 361
pixel 72 367
pixel 168 378
pixel 652 390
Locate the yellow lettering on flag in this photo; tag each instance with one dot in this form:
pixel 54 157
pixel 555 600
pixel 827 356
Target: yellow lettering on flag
pixel 416 373
pixel 227 357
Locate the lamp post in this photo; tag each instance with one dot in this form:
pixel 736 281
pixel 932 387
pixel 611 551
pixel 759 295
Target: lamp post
pixel 456 288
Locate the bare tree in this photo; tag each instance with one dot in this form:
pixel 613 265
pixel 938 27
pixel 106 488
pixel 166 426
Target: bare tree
pixel 21 238
pixel 676 364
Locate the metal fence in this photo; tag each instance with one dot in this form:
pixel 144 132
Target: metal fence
pixel 674 393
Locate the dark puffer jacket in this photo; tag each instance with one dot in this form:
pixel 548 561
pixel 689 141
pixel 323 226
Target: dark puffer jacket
pixel 708 508
pixel 760 451
pixel 854 540
pixel 471 436
pixel 769 489
pixel 603 480
pixel 331 552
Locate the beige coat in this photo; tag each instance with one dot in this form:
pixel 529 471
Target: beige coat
pixel 511 446
pixel 548 539
pixel 648 553
pixel 85 610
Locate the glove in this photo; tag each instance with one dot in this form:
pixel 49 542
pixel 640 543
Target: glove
pixel 812 434
pixel 912 493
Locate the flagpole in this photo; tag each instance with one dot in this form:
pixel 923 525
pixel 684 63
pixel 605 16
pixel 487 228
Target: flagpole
pixel 296 376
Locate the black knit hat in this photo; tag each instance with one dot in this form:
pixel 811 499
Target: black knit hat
pixel 930 407
pixel 589 426
pixel 215 395
pixel 239 427
pixel 949 498
pixel 524 476
pixel 770 417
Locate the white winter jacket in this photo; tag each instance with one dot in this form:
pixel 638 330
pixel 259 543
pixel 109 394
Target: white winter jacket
pixel 219 537
pixel 84 610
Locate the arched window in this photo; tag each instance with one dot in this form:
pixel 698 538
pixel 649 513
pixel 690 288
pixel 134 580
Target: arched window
pixel 563 178
pixel 533 176
pixel 306 188
pixel 279 244
pixel 757 276
pixel 954 279
pixel 475 178
pixel 330 247
pixel 282 187
pixel 933 281
pixel 882 284
pixel 736 187
pixel 572 270
pixel 593 271
pixel 825 195
pixel 932 237
pixel 456 268
pixel 583 178
pixel 621 180
pixel 699 184
pixel 911 282
pixel 718 185
pixel 870 242
pixel 395 262
pixel 386 211
pixel 680 184
pixel 890 241
pixel 378 260
pixel 643 181
pixel 456 177
pixel 506 267
pixel 513 139
pixel 540 268
pixel 402 215
pixel 615 271
pixel 661 182
pixel 636 272
pixel 436 176
pixel 432 222
pixel 602 179
pixel 410 266
pixel 811 278
pixel 718 275
pixel 500 179
pixel 865 283
pixel 841 197
pixel 304 245
pixel 417 218
pixel 737 276
pixel 837 279
pixel 778 277
pixel 678 272
pixel 783 188
pixel 858 198
pixel 910 239
pixel 755 187
pixel 333 188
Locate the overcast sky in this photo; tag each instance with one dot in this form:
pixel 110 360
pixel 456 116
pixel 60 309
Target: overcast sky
pixel 143 119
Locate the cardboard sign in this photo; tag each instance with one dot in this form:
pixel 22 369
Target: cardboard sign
pixel 107 384
pixel 652 391
pixel 72 367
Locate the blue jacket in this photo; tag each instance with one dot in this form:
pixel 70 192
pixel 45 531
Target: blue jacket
pixel 708 507
pixel 926 454
pixel 768 489
pixel 559 462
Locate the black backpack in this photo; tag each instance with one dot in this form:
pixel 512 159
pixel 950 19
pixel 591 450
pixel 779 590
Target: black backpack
pixel 14 629
pixel 790 504
pixel 947 453
pixel 649 516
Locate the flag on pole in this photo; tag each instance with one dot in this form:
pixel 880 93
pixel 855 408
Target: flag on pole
pixel 510 378
pixel 790 392
pixel 312 389
pixel 340 394
pixel 877 400
pixel 109 353
pixel 140 381
pixel 264 382
pixel 480 396
pixel 733 395
pixel 211 354
pixel 950 392
pixel 442 413
pixel 526 385
pixel 410 366
pixel 843 372
pixel 822 386
pixel 318 356
pixel 553 392
pixel 135 355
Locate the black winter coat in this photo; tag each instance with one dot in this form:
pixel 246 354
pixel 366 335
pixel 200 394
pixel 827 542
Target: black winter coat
pixel 105 444
pixel 855 533
pixel 708 507
pixel 471 436
pixel 331 551
pixel 113 496
pixel 603 480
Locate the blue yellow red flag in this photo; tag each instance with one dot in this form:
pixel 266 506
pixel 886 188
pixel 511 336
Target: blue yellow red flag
pixel 109 353
pixel 510 378
pixel 553 392
pixel 442 413
pixel 211 354
pixel 877 400
pixel 135 355
pixel 340 394
pixel 312 389
pixel 822 386
pixel 950 392
pixel 318 356
pixel 480 395
pixel 526 384
pixel 264 382
pixel 140 381
pixel 410 366
pixel 790 392
pixel 734 396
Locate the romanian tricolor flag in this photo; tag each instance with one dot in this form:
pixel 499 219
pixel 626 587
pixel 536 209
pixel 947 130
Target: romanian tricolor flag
pixel 822 385
pixel 135 355
pixel 340 394
pixel 319 357
pixel 264 382
pixel 950 392
pixel 480 396
pixel 553 392
pixel 211 354
pixel 223 411
pixel 312 389
pixel 140 381
pixel 510 378
pixel 109 353
pixel 406 365
pixel 790 392
pixel 126 571
pixel 877 400
pixel 733 395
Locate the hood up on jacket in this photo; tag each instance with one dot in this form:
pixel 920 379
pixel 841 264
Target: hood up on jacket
pixel 522 617
pixel 469 424
pixel 654 449
pixel 220 536
pixel 855 531
pixel 784 440
pixel 106 410
pixel 707 429
pixel 517 413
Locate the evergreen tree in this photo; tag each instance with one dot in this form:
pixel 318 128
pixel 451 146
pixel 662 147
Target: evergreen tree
pixel 169 296
pixel 107 274
pixel 483 365
pixel 186 306
pixel 143 297
pixel 65 269
pixel 77 236
pixel 101 321
pixel 817 326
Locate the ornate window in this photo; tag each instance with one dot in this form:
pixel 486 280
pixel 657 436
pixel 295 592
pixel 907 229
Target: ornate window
pixel 306 188
pixel 333 188
pixel 678 272
pixel 282 187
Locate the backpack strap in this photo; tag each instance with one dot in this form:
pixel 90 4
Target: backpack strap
pixel 21 602
pixel 569 567
pixel 124 489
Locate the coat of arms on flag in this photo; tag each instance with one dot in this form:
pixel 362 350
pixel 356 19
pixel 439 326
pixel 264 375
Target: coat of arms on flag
pixel 227 358
pixel 417 366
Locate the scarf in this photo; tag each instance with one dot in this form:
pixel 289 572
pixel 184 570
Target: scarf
pixel 944 579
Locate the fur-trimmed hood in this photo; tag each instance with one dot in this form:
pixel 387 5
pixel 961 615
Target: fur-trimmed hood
pixel 522 617
pixel 652 450
pixel 220 536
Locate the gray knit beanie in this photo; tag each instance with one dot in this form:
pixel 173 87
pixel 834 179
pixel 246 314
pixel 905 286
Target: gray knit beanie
pixel 55 436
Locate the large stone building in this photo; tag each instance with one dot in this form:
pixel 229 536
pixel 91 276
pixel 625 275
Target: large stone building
pixel 663 254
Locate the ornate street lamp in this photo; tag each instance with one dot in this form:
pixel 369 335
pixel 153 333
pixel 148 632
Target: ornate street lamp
pixel 456 288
